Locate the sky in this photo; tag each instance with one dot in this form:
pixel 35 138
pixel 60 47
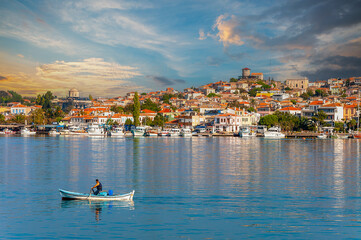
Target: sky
pixel 108 48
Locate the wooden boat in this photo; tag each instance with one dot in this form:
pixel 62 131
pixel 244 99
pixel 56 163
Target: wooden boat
pixel 85 196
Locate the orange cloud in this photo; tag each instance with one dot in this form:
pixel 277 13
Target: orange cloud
pixel 91 76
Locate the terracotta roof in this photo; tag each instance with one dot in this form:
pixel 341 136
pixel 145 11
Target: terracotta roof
pixel 290 109
pixel 316 103
pixel 148 111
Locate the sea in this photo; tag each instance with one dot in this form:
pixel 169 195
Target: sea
pixel 185 188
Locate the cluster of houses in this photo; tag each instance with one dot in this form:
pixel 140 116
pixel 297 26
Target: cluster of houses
pixel 224 106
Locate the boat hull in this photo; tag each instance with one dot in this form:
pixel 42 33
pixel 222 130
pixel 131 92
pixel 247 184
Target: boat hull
pixel 83 196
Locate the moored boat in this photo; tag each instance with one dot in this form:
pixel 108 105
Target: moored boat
pixel 186 132
pixel 151 133
pixel 274 132
pixel 26 131
pixel 117 132
pixel 174 132
pixel 246 132
pixel 322 136
pixel 53 132
pixel 163 133
pixel 138 131
pixel 91 197
pixel 95 130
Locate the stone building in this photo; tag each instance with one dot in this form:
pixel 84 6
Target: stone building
pixel 300 83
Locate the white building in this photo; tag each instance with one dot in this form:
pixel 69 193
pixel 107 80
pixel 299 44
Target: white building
pixel 334 112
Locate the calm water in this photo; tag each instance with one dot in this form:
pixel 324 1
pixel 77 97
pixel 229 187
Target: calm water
pixel 196 188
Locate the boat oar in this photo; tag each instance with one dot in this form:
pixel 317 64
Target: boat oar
pixel 89 194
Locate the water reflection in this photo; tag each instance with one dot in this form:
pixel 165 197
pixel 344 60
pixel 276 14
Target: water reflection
pixel 98 207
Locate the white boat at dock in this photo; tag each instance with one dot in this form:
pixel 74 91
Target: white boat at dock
pixel 151 133
pixel 174 132
pixel 95 130
pixel 185 132
pixel 322 136
pixel 138 131
pixel 117 132
pixel 163 133
pixel 53 132
pixel 76 130
pixel 246 132
pixel 26 131
pixel 274 132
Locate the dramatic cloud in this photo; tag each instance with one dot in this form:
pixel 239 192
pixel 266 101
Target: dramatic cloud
pixel 314 39
pixel 22 24
pixel 227 31
pixel 90 76
pixel 163 81
pixel 20 56
pixel 2 78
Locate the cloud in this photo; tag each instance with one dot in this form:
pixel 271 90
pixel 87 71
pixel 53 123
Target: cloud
pixel 93 75
pixel 2 78
pixel 96 5
pixel 163 81
pixel 20 56
pixel 228 33
pixel 18 22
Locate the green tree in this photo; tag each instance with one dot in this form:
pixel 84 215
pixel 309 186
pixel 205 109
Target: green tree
pixel 233 80
pixel 268 120
pixel 129 108
pixel 18 118
pixel 136 109
pixel 158 121
pixel 288 89
pixel 2 118
pixel 251 109
pixel 143 94
pixel 320 93
pixel 45 100
pixel 148 104
pixel 91 97
pixel 117 109
pixel 111 122
pixel 128 122
pixel 37 116
pixel 339 127
pixel 253 92
pixel 147 121
pixel 351 124
pixel 293 101
pixel 305 96
pixel 211 95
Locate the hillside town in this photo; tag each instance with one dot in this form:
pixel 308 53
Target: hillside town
pixel 219 107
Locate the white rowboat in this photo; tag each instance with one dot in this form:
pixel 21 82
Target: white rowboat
pixel 84 196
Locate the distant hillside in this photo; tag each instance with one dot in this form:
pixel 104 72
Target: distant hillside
pixel 5 94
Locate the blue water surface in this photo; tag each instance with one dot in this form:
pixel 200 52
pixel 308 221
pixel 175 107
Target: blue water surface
pixel 185 188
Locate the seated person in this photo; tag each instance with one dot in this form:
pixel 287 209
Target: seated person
pixel 98 186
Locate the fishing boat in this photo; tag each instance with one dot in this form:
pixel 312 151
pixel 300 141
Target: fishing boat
pixel 138 131
pixel 96 130
pixel 26 131
pixel 163 133
pixel 117 132
pixel 322 136
pixel 274 132
pixel 174 132
pixel 186 132
pixel 246 132
pixel 53 132
pixel 91 197
pixel 7 131
pixel 151 133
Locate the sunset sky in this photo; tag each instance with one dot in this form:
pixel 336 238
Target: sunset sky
pixel 107 48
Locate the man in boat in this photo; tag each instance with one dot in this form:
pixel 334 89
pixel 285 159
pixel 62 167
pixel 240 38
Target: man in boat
pixel 98 186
